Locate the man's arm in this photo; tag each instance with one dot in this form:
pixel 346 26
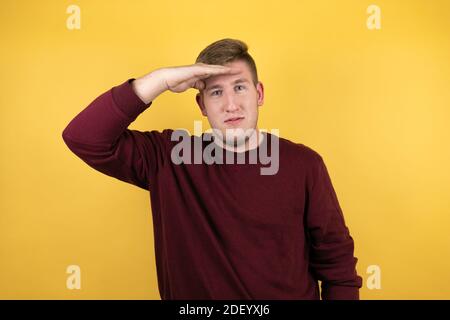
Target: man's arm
pixel 99 135
pixel 331 246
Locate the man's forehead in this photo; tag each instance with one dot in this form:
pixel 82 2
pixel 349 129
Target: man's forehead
pixel 219 81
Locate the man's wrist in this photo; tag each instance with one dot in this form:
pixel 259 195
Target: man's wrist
pixel 148 87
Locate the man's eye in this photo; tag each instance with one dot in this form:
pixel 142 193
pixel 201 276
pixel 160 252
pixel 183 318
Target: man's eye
pixel 218 91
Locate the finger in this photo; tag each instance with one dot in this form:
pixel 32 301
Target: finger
pixel 218 67
pixel 207 71
pixel 211 73
pixel 214 66
pixel 209 65
pixel 196 83
pixel 199 85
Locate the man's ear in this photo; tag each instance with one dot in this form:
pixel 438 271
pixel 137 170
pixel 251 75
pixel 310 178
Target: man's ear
pixel 260 92
pixel 199 99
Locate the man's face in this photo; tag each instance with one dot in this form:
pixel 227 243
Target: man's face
pixel 231 101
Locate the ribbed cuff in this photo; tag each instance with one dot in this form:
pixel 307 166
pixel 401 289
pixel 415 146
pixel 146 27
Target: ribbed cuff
pixel 340 293
pixel 128 101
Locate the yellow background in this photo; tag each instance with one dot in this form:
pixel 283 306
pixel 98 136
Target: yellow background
pixel 374 103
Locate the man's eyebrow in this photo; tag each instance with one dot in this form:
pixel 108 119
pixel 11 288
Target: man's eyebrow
pixel 240 80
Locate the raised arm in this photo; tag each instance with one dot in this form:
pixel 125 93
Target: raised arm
pixel 99 135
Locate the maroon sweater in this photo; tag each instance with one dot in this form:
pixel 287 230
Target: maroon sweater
pixel 224 231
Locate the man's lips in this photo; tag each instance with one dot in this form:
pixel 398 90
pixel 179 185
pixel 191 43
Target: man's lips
pixel 234 120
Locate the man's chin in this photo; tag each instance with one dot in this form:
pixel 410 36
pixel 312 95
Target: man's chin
pixel 234 137
pixel 235 141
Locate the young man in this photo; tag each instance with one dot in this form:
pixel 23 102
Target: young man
pixel 223 230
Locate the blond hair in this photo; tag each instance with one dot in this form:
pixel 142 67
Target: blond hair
pixel 228 50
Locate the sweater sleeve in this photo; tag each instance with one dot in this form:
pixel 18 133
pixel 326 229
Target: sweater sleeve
pixel 99 136
pixel 331 246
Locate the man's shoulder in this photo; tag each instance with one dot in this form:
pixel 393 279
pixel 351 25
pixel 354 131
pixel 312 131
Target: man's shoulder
pixel 305 152
pixel 165 135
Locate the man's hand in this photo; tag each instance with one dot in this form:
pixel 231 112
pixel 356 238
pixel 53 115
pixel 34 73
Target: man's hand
pixel 177 79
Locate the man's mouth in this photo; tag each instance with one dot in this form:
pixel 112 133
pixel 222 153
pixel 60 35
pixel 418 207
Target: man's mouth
pixel 234 120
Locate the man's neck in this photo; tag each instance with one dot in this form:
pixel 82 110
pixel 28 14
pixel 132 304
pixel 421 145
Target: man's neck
pixel 251 142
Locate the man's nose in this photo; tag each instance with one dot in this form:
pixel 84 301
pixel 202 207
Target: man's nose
pixel 231 104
